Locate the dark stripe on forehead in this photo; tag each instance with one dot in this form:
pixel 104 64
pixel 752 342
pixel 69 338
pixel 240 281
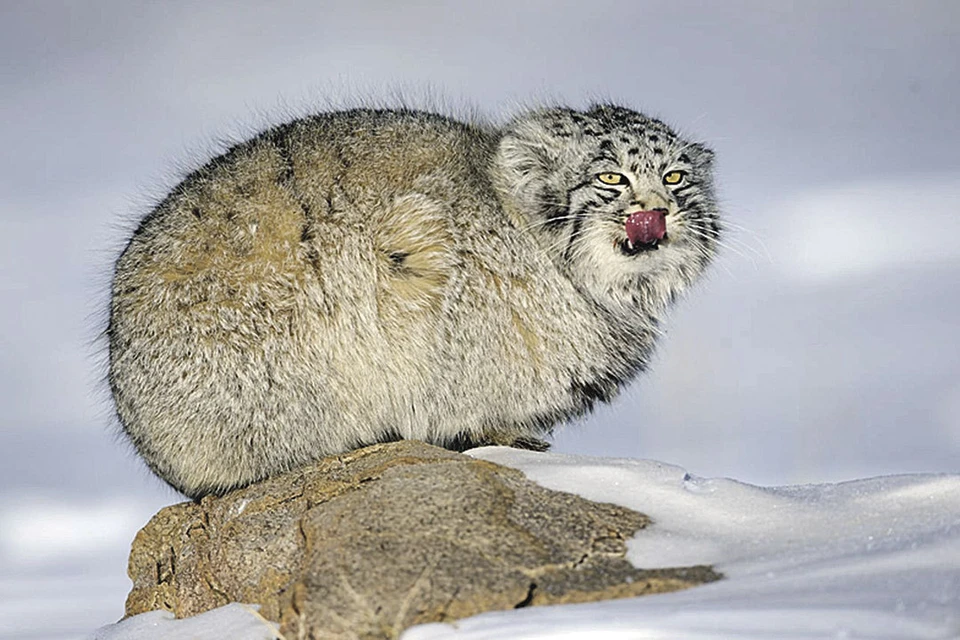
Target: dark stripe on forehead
pixel 604 156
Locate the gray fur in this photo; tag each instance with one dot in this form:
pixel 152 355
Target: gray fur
pixel 362 276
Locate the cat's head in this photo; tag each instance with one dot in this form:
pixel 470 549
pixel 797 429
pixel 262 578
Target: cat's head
pixel 618 200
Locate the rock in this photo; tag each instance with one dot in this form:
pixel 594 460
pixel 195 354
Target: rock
pixel 366 544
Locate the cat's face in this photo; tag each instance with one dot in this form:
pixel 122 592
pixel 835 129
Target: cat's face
pixel 618 200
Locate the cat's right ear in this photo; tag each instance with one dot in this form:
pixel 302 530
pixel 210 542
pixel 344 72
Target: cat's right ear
pixel 529 153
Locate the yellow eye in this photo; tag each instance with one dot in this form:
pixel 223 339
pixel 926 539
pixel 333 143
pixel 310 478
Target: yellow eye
pixel 611 178
pixel 674 177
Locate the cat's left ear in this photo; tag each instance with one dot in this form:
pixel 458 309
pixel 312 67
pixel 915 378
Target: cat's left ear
pixel 702 154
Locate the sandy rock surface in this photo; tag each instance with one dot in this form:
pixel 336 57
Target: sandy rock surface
pixel 366 544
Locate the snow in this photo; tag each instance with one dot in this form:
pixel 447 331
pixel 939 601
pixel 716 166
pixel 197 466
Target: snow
pixel 875 558
pixel 233 621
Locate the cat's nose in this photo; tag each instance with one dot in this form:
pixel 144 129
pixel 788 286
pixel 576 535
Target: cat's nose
pixel 651 202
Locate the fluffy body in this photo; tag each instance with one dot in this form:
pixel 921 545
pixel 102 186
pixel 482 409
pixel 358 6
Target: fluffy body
pixel 363 276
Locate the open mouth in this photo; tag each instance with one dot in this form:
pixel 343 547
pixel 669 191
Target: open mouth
pixel 645 231
pixel 628 247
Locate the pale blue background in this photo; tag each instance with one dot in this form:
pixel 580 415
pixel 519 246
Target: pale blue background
pixel 823 347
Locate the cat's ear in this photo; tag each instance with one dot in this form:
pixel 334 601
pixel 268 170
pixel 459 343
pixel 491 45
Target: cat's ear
pixel 530 147
pixel 529 159
pixel 702 154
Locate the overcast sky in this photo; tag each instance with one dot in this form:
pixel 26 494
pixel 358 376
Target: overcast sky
pixel 823 346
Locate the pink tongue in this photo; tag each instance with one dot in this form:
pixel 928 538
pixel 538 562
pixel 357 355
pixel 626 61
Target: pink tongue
pixel 646 227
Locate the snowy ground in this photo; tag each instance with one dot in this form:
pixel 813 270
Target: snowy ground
pixel 875 558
